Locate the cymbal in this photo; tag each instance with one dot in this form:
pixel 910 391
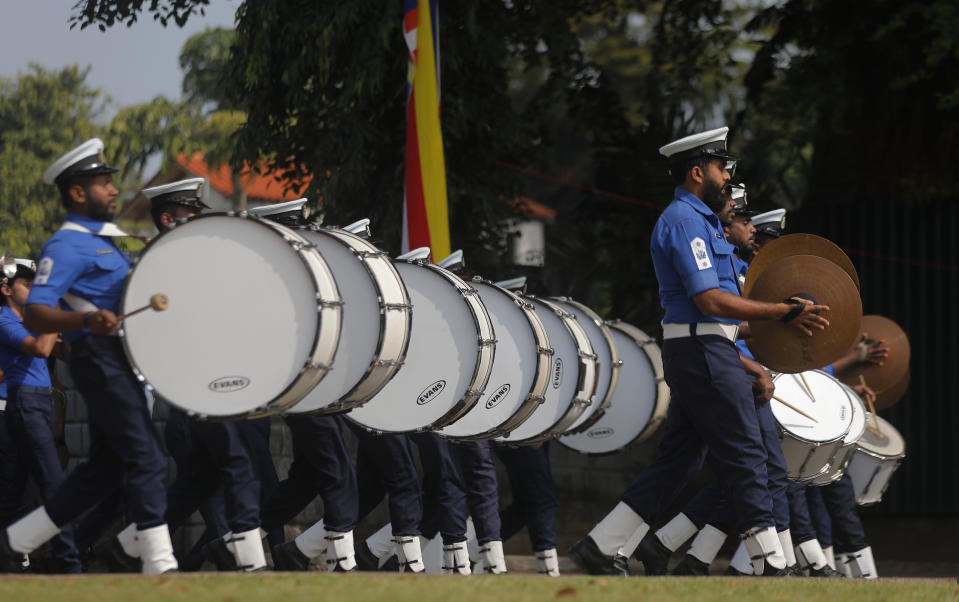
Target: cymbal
pixel 782 347
pixel 797 244
pixel 881 378
pixel 892 395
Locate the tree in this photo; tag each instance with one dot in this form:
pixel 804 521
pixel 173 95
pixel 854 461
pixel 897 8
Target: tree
pixel 42 115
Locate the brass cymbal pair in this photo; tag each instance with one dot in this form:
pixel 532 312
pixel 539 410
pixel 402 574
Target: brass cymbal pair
pixel 811 267
pixel 890 380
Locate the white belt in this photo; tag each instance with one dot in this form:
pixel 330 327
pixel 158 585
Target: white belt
pixel 678 331
pixel 3 405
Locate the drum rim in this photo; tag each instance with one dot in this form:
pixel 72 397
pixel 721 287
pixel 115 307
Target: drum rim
pixel 651 349
pixel 311 366
pixel 484 353
pixel 585 379
pixel 614 360
pixel 391 366
pixel 884 424
pixel 536 395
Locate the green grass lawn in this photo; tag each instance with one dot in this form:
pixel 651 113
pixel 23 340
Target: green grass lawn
pixel 400 588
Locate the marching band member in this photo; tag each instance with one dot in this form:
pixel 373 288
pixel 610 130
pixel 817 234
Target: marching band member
pixel 712 406
pixel 81 265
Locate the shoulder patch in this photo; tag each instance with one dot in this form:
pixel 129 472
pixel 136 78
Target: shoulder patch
pixel 43 270
pixel 700 256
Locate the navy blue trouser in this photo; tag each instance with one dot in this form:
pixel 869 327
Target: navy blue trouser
pixel 30 425
pixel 712 409
pixel 847 532
pixel 475 462
pixel 256 435
pixel 15 495
pixel 710 505
pixel 217 457
pixel 801 526
pixel 321 466
pixel 819 516
pixel 125 450
pixel 534 497
pixel 384 465
pixel 444 493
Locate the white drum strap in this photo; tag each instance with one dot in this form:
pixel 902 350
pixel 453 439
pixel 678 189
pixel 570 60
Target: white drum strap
pixel 79 303
pixel 108 229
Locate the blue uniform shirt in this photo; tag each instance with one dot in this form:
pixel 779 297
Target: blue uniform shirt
pixel 80 263
pixel 691 255
pixel 19 369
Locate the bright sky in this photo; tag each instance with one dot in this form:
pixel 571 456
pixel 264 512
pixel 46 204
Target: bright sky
pixel 130 64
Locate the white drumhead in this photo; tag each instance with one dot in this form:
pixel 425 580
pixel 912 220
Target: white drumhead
pixel 858 423
pixel 563 377
pixel 604 358
pixel 888 443
pixel 631 408
pixel 831 407
pixel 514 366
pixel 242 319
pixel 440 360
pixel 360 322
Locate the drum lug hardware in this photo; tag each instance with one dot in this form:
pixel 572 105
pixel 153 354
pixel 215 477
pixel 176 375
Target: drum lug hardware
pixel 545 350
pixel 618 363
pixel 486 342
pixel 583 402
pixel 369 254
pixel 540 399
pixel 473 392
pixel 468 292
pixel 321 304
pixel 316 366
pixel 388 363
pixel 587 356
pixel 525 305
pixel 389 306
pixel 299 245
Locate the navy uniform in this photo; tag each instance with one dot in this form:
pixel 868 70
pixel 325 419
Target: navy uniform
pixel 81 265
pixel 712 405
pixel 30 418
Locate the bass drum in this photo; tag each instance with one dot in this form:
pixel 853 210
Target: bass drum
pixel 520 368
pixel 607 361
pixel 876 457
pixel 639 403
pixel 572 377
pixel 376 322
pixel 253 322
pixel 449 359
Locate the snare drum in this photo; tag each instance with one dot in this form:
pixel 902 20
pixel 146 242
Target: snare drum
pixel 856 428
pixel 607 360
pixel 520 368
pixel 448 361
pixel 572 377
pixel 638 405
pixel 376 321
pixel 253 322
pixel 809 446
pixel 874 460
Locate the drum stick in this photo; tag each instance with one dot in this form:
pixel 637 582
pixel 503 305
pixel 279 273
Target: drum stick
pixel 872 408
pixel 808 390
pixel 794 408
pixel 158 302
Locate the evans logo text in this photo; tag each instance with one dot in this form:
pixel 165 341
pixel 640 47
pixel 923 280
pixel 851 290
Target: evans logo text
pixel 558 373
pixel 601 433
pixel 497 397
pixel 229 384
pixel 430 392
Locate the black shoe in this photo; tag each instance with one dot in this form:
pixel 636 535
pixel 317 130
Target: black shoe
pixel 796 571
pixel 732 571
pixel 288 557
pixel 10 561
pixel 690 566
pixel 392 564
pixel 365 559
pixel 115 558
pixel 221 557
pixel 826 572
pixel 653 554
pixel 587 556
pixel 771 571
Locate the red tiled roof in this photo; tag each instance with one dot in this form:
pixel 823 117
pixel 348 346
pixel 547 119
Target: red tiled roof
pixel 267 186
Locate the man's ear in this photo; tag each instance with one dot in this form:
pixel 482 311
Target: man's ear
pixel 77 194
pixel 698 174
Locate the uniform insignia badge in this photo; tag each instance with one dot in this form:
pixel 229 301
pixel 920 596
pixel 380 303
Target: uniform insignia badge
pixel 700 255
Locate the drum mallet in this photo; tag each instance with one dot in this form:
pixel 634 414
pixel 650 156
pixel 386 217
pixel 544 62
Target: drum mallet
pixel 794 408
pixel 158 302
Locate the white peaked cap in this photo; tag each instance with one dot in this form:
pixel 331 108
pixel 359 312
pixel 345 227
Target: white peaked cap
pixel 711 140
pixel 276 208
pixel 454 258
pixel 419 253
pixel 86 158
pixel 190 185
pixel 513 283
pixel 776 217
pixel 738 191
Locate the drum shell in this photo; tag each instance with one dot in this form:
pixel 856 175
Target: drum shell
pixel 806 460
pixel 532 398
pixel 871 470
pixel 324 296
pixel 837 466
pixel 601 437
